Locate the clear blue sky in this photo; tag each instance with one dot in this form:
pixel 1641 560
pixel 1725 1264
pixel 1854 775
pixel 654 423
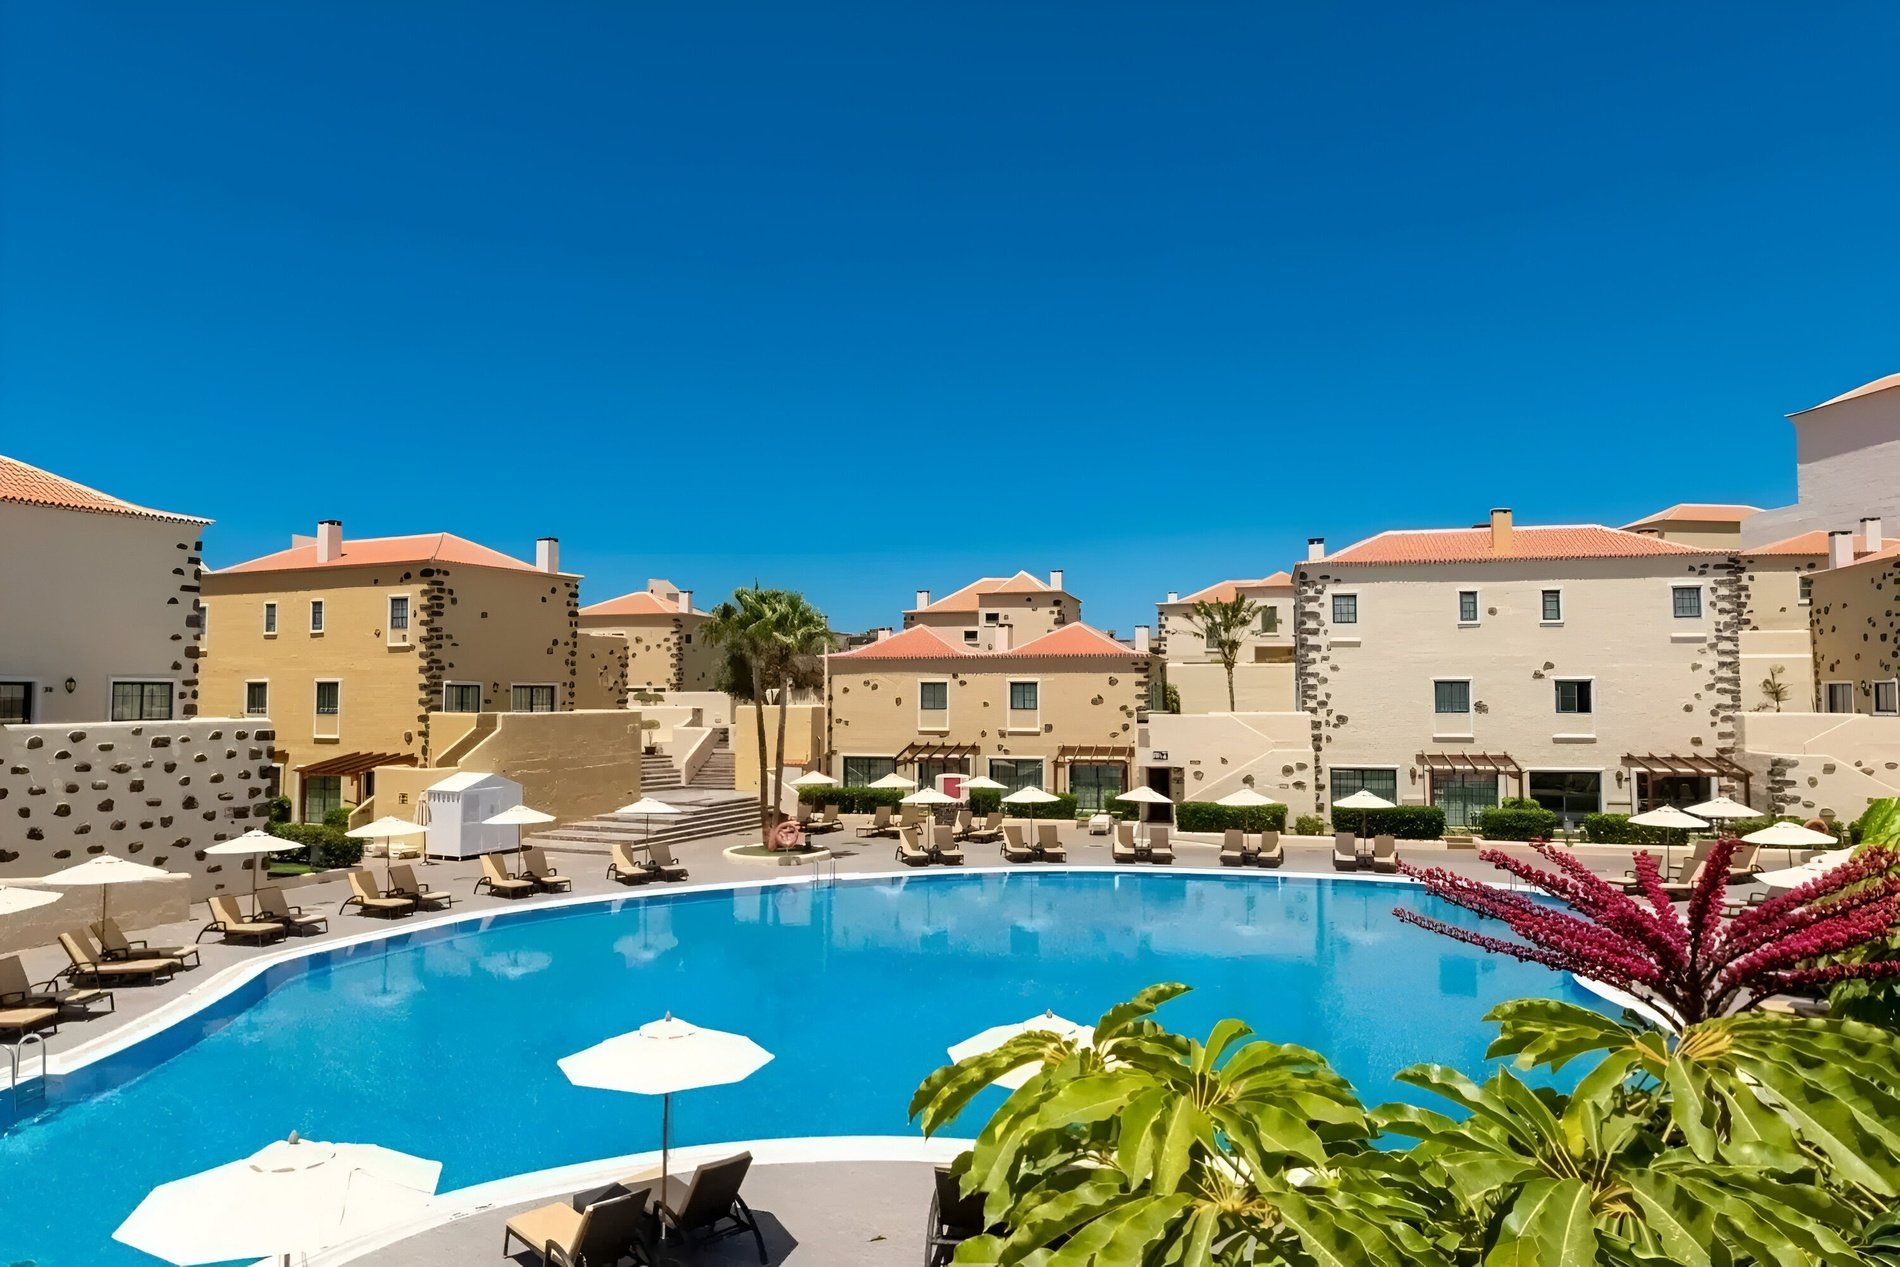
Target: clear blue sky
pixel 862 298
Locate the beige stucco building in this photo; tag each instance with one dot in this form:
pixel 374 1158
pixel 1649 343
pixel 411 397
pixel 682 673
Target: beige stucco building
pixel 1030 607
pixel 1847 465
pixel 1586 667
pixel 386 651
pixel 1263 675
pixel 666 647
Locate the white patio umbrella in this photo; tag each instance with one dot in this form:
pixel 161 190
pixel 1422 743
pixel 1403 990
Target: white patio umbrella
pixel 661 1058
pixel 13 901
pixel 647 807
pixel 983 783
pixel 1030 796
pixel 252 842
pixel 895 780
pixel 517 817
pixel 995 1036
pixel 1670 817
pixel 1722 807
pixel 104 871
pixel 1246 798
pixel 291 1198
pixel 1143 796
pixel 929 797
pixel 1362 801
pixel 1789 836
pixel 814 778
pixel 1813 869
pixel 387 829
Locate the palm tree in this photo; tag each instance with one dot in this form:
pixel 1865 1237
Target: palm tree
pixel 734 627
pixel 1222 625
pixel 772 640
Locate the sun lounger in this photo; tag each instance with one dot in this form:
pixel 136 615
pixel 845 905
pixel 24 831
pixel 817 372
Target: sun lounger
pixel 953 1219
pixel 17 991
pixel 113 944
pixel 661 863
pixel 1160 849
pixel 708 1206
pixel 1015 847
pixel 1684 869
pixel 831 820
pixel 911 816
pixel 1680 890
pixel 1793 1005
pixel 963 825
pixel 626 867
pixel 403 883
pixel 989 828
pixel 880 824
pixel 1101 824
pixel 88 966
pixel 910 847
pixel 1049 843
pixel 1271 852
pixel 271 905
pixel 943 845
pixel 496 880
pixel 1125 849
pixel 1233 848
pixel 596 1228
pixel 17 1022
pixel 803 815
pixel 535 866
pixel 371 900
pixel 1742 865
pixel 1385 854
pixel 229 922
pixel 1345 851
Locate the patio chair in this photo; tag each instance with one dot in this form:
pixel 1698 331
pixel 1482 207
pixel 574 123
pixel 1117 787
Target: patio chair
pixel 1125 848
pixel 910 847
pixel 230 923
pixel 272 905
pixel 626 867
pixel 1049 843
pixel 1385 854
pixel 1233 848
pixel 708 1206
pixel 1160 848
pixel 992 828
pixel 1345 851
pixel 953 1219
pixel 943 845
pixel 661 863
pixel 831 820
pixel 535 866
pixel 963 825
pixel 114 945
pixel 1270 853
pixel 1015 847
pixel 802 815
pixel 17 1022
pixel 496 880
pixel 591 1230
pixel 1680 890
pixel 1683 869
pixel 17 991
pixel 1742 865
pixel 369 899
pixel 87 965
pixel 911 816
pixel 880 824
pixel 403 880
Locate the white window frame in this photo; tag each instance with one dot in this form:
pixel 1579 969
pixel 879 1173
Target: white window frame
pixel 1804 590
pixel 1573 678
pixel 1826 693
pixel 1042 768
pixel 248 684
pixel 1332 608
pixel 1446 681
pixel 317 729
pixel 319 616
pixel 443 701
pixel 550 687
pixel 204 621
pixel 1477 599
pixel 113 683
pixel 1398 785
pixel 1563 605
pixel 937 720
pixel 1007 710
pixel 267 620
pixel 1701 601
pixel 409 618
pixel 1894 711
pixel 862 756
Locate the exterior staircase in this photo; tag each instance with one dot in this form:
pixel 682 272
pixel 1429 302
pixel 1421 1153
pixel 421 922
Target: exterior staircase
pixel 658 773
pixel 717 772
pixel 708 812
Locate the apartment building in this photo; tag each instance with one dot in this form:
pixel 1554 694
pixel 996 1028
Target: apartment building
pixel 1702 525
pixel 385 651
pixel 1030 606
pixel 1855 632
pixel 1263 676
pixel 1847 464
pixel 665 637
pixel 1587 667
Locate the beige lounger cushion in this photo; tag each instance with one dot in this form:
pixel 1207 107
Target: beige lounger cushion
pixel 26 1017
pixel 557 1223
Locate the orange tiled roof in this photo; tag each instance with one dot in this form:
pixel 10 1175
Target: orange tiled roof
pixel 967 598
pixel 638 603
pixel 30 486
pixel 431 547
pixel 921 642
pixel 1865 389
pixel 1697 512
pixel 1224 591
pixel 1473 545
pixel 1814 545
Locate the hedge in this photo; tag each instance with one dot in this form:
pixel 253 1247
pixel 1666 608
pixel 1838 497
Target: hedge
pixel 1207 816
pixel 988 800
pixel 1616 829
pixel 1407 822
pixel 851 800
pixel 1309 825
pixel 1518 819
pixel 333 848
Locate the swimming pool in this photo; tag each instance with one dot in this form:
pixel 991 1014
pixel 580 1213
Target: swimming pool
pixel 443 1042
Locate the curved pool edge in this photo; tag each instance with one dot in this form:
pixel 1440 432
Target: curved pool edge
pixel 204 995
pixel 562 1181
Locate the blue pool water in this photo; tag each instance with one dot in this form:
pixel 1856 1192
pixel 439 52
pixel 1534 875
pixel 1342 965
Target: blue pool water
pixel 443 1043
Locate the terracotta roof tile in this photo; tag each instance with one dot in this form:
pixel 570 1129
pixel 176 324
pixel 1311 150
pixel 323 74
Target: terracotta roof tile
pixel 968 598
pixel 1070 640
pixel 1814 545
pixel 921 642
pixel 433 547
pixel 1865 389
pixel 1224 591
pixel 638 603
pixel 1473 545
pixel 1697 512
pixel 30 486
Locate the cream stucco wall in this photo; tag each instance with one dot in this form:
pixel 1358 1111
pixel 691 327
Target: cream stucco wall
pixel 1258 688
pixel 1263 676
pixel 1825 765
pixel 1028 615
pixel 600 679
pixel 664 652
pixel 1776 630
pixel 804 741
pixel 1855 630
pixel 1220 753
pixel 1847 464
pixel 95 597
pixel 1661 684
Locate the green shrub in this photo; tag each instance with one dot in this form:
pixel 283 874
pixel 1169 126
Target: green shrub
pixel 1309 825
pixel 331 847
pixel 340 852
pixel 278 809
pixel 1406 822
pixel 1207 816
pixel 1616 829
pixel 1518 819
pixel 851 800
pixel 339 817
pixel 988 800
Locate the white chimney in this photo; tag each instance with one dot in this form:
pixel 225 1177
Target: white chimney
pixel 329 540
pixel 1840 548
pixel 1174 596
pixel 923 599
pixel 883 633
pixel 686 602
pixel 1055 579
pixel 1141 639
pixel 1501 530
pixel 1870 533
pixel 1315 549
pixel 1000 637
pixel 547 554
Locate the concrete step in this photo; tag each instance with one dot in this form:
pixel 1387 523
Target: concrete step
pixel 707 813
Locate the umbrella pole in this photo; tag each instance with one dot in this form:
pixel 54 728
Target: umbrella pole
pixel 666 1132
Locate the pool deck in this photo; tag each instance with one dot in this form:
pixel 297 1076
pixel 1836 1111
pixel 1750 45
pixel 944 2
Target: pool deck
pixel 814 1212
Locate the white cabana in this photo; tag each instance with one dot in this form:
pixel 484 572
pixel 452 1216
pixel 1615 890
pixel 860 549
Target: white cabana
pixel 1723 808
pixel 13 901
pixel 895 780
pixel 814 778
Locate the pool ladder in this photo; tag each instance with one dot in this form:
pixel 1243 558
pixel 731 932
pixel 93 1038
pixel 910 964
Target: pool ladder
pixel 32 1089
pixel 825 871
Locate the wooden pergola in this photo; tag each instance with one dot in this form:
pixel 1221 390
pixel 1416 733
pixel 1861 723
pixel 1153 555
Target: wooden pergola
pixel 911 753
pixel 1501 764
pixel 1691 765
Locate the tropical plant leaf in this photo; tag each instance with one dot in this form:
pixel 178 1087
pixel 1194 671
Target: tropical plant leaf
pixel 1548 1225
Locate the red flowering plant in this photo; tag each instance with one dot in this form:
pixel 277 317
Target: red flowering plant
pixel 1690 963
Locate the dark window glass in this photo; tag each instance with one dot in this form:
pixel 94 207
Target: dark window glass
pixel 270 618
pixel 1016 774
pixel 329 699
pixel 864 771
pixel 16 703
pixel 1349 779
pixel 1553 604
pixel 461 697
pixel 256 698
pixel 1451 697
pixel 141 701
pixel 1571 793
pixel 399 612
pixel 1686 601
pixel 1022 696
pixel 933 697
pixel 1345 609
pixel 1096 784
pixel 1575 697
pixel 534 699
pixel 1468 606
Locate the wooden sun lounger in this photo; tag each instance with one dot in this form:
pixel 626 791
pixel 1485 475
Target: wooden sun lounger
pixel 708 1206
pixel 1271 853
pixel 880 824
pixel 371 900
pixel 404 884
pixel 910 848
pixel 227 920
pixel 1049 844
pixel 17 1022
pixel 832 819
pixel 17 991
pixel 626 867
pixel 943 845
pixel 272 905
pixel 496 880
pixel 1125 849
pixel 536 867
pixel 990 828
pixel 1160 849
pixel 88 966
pixel 1385 854
pixel 1233 848
pixel 1015 847
pixel 114 944
pixel 661 863
pixel 1345 851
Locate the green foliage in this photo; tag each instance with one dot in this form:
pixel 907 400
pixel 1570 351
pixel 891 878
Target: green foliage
pixel 339 817
pixel 850 800
pixel 1223 627
pixel 1518 819
pixel 1207 816
pixel 1880 823
pixel 988 800
pixel 1309 825
pixel 1170 698
pixel 1406 822
pixel 278 809
pixel 326 842
pixel 1616 829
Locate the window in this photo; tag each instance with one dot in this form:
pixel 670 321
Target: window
pixel 1096 784
pixel 1467 607
pixel 992 618
pixel 321 794
pixel 1016 774
pixel 256 699
pixel 329 699
pixel 16 703
pixel 1553 606
pixel 316 615
pixel 1807 590
pixel 1570 793
pixel 1576 697
pixel 398 612
pixel 1350 779
pixel 1838 698
pixel 141 701
pixel 1463 795
pixel 204 621
pixel 864 771
pixel 928 768
pixel 1023 697
pixel 1887 697
pixel 270 620
pixel 933 697
pixel 461 697
pixel 1345 609
pixel 1685 601
pixel 533 699
pixel 970 636
pixel 1451 696
pixel 1269 620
